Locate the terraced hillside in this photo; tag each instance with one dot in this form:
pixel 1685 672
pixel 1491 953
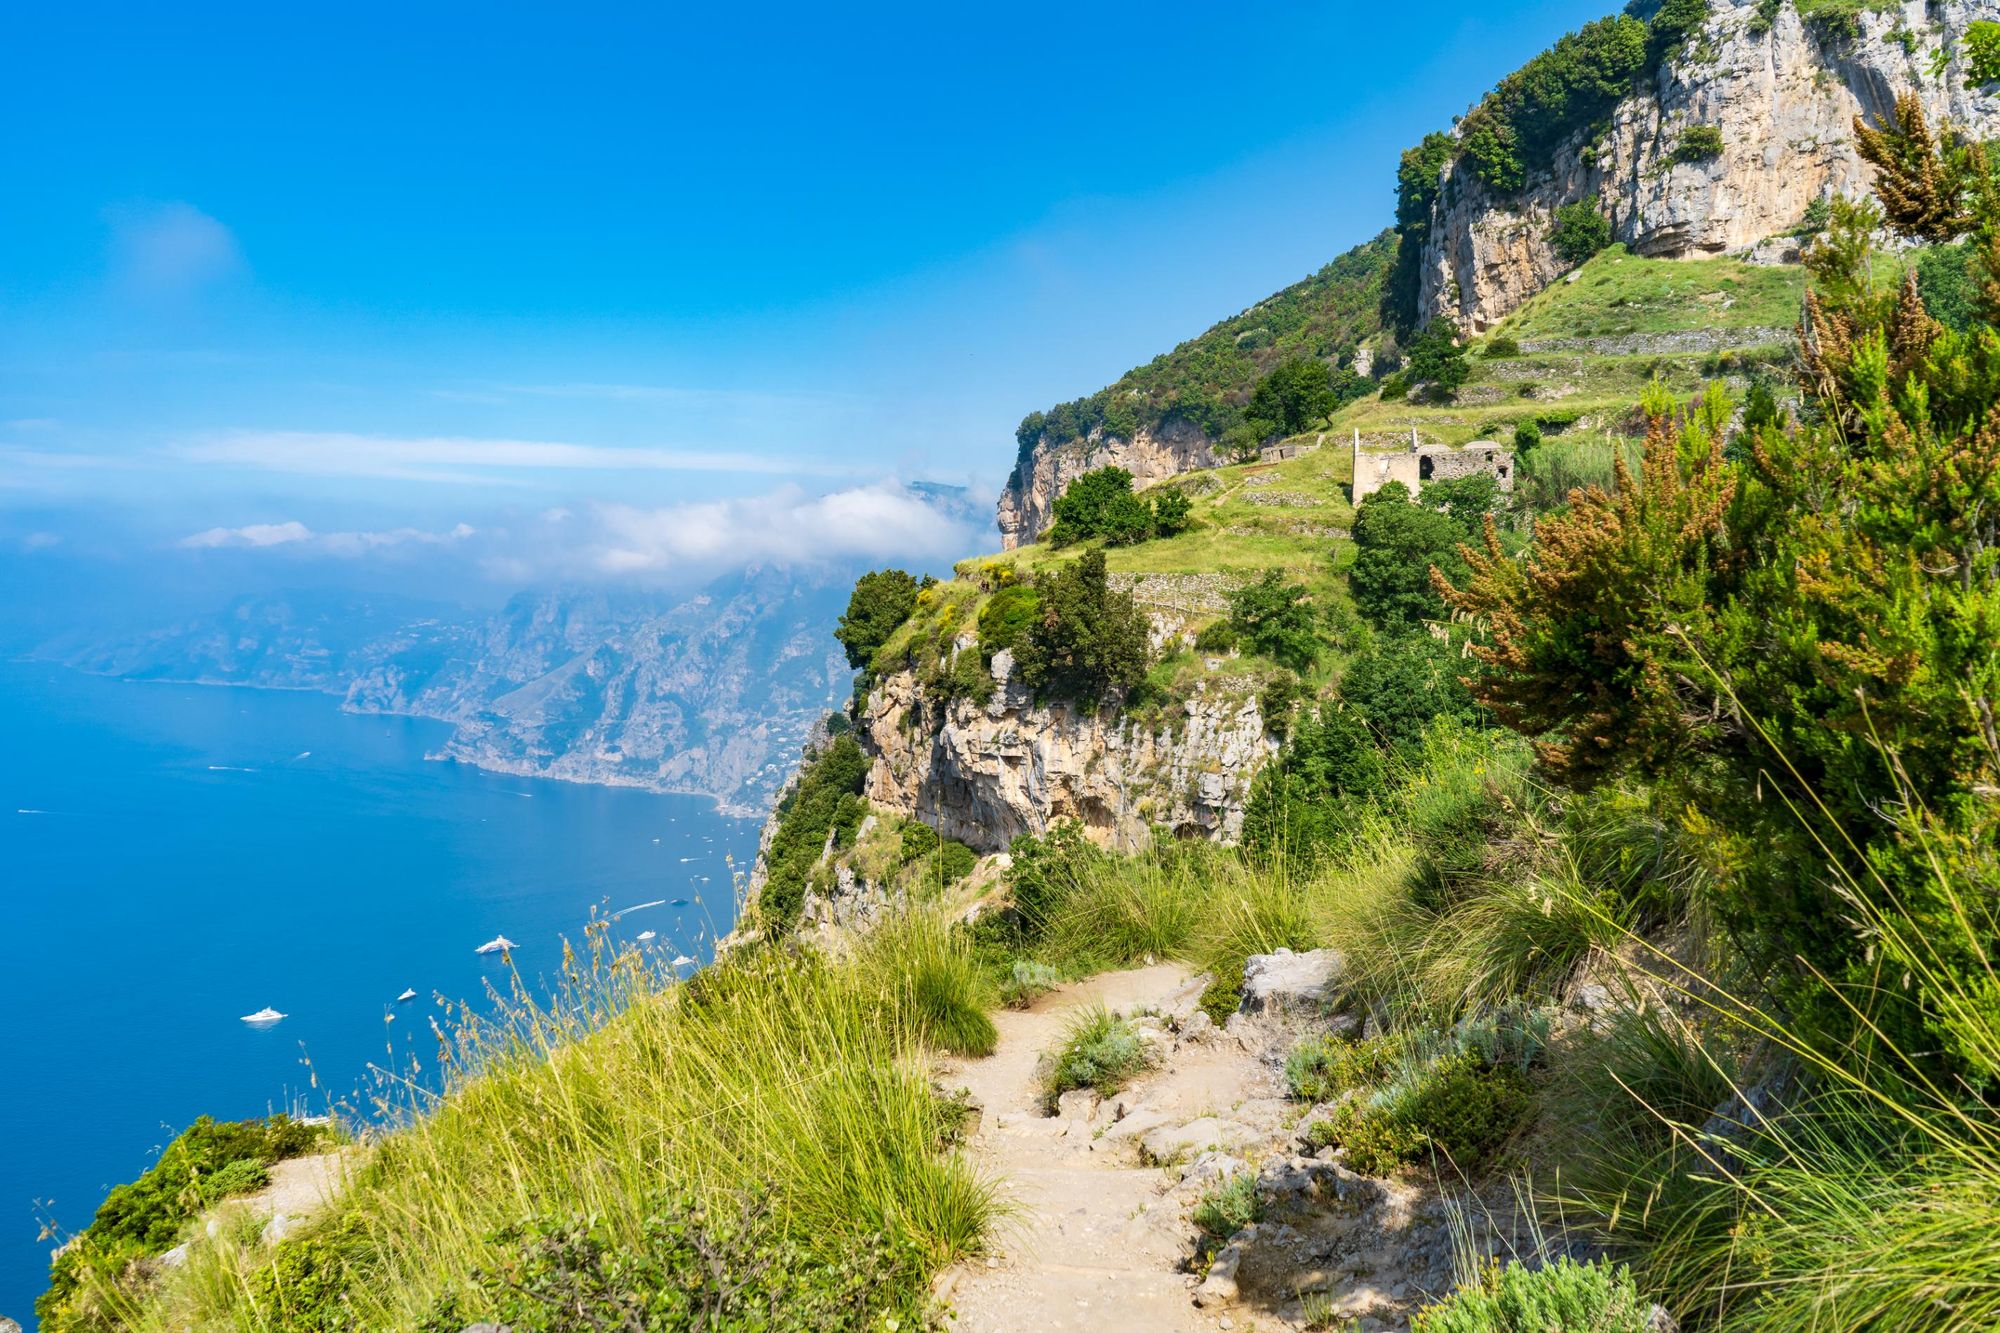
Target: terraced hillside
pixel 960 742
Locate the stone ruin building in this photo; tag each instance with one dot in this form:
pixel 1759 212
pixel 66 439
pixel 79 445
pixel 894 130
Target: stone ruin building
pixel 1415 460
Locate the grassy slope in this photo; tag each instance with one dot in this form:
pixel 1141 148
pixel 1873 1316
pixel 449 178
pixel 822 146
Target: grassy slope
pixel 1209 377
pixel 1294 515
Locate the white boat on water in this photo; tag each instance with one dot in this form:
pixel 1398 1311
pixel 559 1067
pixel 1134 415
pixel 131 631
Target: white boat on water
pixel 682 960
pixel 263 1018
pixel 498 944
pixel 406 995
pixel 648 936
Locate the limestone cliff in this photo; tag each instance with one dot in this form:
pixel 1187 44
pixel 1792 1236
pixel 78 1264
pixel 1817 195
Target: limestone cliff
pixel 1784 98
pixel 982 773
pixel 1027 505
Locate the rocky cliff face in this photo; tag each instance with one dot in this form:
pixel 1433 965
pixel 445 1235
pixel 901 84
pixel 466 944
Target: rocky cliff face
pixel 1784 99
pixel 984 773
pixel 1027 505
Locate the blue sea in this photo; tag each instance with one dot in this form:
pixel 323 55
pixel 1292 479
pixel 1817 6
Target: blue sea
pixel 174 857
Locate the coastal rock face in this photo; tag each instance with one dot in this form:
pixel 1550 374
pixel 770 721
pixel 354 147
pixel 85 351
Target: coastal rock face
pixel 984 773
pixel 1784 100
pixel 1027 505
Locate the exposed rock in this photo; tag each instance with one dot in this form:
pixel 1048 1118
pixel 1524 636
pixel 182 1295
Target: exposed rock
pixel 1177 1143
pixel 1284 981
pixel 1784 101
pixel 1219 1287
pixel 983 775
pixel 8 1326
pixel 1591 997
pixel 1213 1168
pixel 1027 505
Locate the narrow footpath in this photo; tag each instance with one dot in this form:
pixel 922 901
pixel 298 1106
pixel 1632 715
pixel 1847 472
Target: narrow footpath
pixel 1099 1234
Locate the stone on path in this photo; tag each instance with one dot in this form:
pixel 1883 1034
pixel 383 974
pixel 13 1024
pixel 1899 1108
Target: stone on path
pixel 1284 981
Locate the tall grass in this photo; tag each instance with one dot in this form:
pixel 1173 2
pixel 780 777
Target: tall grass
pixel 795 1077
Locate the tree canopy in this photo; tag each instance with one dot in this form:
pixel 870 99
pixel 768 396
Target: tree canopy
pixel 876 609
pixel 1400 539
pixel 1086 641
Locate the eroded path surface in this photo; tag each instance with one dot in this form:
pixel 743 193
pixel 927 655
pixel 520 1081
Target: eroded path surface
pixel 1094 1243
pixel 1101 1235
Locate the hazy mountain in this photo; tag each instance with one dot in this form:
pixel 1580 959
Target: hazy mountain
pixel 711 693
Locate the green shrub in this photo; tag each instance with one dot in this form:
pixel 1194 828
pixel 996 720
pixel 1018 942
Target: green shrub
pixel 1322 1067
pixel 1436 360
pixel 876 609
pixel 1005 619
pixel 693 1268
pixel 1500 347
pixel 1275 617
pixel 955 861
pixel 1982 53
pixel 1527 435
pixel 1399 539
pixel 1299 804
pixel 1101 504
pixel 1699 143
pixel 1048 871
pixel 209 1160
pixel 819 803
pixel 1456 1109
pixel 305 1286
pixel 1562 1295
pixel 1228 1208
pixel 1099 1050
pixel 1026 982
pixel 1580 230
pixel 1950 288
pixel 1216 637
pixel 1404 682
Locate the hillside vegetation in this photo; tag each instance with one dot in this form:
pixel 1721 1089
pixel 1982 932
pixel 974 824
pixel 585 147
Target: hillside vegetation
pixel 1207 381
pixel 1649 811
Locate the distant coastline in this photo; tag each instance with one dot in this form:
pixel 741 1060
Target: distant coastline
pixel 725 806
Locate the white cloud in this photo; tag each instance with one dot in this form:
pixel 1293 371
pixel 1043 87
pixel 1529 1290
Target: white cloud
pixel 167 250
pixel 253 534
pixel 784 527
pixel 456 458
pixel 344 544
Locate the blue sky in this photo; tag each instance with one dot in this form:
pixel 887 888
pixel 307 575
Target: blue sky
pixel 366 269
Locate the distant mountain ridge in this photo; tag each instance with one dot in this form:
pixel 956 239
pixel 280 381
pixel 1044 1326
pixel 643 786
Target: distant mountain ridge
pixel 711 694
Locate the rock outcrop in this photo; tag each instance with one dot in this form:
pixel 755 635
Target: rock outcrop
pixel 1784 98
pixel 982 773
pixel 1027 505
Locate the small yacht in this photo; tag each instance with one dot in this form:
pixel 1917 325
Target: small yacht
pixel 679 902
pixel 647 936
pixel 263 1018
pixel 682 960
pixel 498 944
pixel 406 995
